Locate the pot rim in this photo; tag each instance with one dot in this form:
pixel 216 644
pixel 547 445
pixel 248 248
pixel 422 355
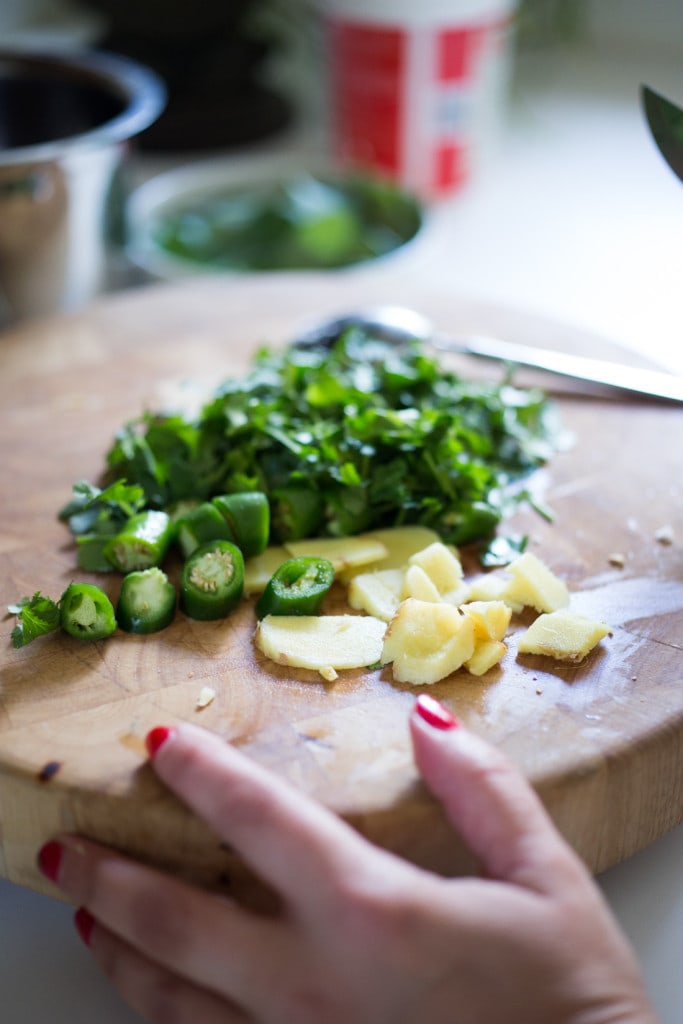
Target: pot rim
pixel 142 91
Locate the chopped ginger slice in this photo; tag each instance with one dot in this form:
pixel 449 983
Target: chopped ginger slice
pixel 443 567
pixel 491 618
pixel 533 584
pixel 343 552
pixel 377 593
pixel 400 542
pixel 417 584
pixel 563 634
pixel 487 653
pixel 321 642
pixel 493 587
pixel 427 642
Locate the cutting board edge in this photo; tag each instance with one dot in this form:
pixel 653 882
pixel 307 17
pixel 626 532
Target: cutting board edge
pixel 570 796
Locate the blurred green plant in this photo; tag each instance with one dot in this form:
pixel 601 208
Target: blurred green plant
pixel 543 22
pixel 298 223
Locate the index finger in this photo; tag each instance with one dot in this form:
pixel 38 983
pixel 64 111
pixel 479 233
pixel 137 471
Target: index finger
pixel 288 839
pixel 490 803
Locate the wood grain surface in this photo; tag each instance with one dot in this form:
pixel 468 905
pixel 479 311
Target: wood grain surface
pixel 601 741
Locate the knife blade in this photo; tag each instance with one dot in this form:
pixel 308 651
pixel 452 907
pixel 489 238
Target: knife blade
pixel 665 121
pixel 658 384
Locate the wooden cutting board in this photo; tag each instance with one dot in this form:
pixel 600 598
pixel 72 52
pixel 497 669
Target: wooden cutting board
pixel 602 741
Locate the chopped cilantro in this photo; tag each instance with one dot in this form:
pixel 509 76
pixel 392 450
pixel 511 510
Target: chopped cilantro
pixel 368 435
pixel 36 616
pixel 95 515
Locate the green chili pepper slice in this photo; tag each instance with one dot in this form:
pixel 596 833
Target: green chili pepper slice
pixel 142 542
pixel 147 601
pixel 199 526
pixel 347 512
pixel 298 587
pixel 86 612
pixel 248 516
pixel 297 512
pixel 212 580
pixel 91 556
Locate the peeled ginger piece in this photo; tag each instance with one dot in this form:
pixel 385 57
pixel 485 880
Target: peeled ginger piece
pixel 426 641
pixel 321 642
pixel 399 542
pixel 487 653
pixel 343 552
pixel 535 585
pixel 377 593
pixel 491 618
pixel 493 587
pixel 563 634
pixel 442 568
pixel 417 584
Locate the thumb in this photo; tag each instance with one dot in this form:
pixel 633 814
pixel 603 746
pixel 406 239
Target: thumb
pixel 489 802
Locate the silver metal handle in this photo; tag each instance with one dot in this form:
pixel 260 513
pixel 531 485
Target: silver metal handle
pixel 654 383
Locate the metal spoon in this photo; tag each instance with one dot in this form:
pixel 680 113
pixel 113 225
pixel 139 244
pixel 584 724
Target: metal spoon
pixel 398 326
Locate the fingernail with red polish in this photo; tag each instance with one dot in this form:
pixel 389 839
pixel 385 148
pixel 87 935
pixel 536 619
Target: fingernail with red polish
pixel 49 859
pixel 84 922
pixel 156 738
pixel 434 713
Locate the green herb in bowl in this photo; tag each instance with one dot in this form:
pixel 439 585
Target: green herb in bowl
pixel 302 222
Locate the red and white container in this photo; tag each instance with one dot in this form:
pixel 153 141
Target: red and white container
pixel 416 87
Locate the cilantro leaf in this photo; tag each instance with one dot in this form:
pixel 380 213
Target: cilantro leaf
pixel 107 509
pixel 95 514
pixel 36 616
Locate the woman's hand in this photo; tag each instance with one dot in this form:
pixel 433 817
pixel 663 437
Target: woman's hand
pixel 363 937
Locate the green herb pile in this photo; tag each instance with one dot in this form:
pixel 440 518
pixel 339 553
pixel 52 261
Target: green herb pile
pixel 346 439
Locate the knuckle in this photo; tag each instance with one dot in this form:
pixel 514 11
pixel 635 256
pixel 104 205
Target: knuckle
pixel 159 924
pixel 153 915
pixel 374 909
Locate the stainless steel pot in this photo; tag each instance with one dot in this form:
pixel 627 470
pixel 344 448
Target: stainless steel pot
pixel 66 121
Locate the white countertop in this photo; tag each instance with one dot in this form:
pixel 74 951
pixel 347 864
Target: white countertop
pixel 581 221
